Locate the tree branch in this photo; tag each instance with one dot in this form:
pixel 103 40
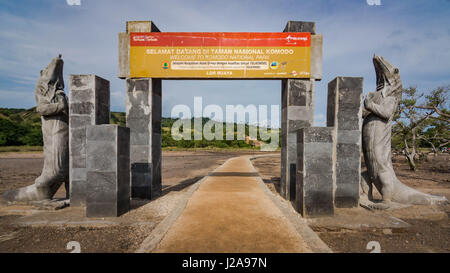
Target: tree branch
pixel 433 107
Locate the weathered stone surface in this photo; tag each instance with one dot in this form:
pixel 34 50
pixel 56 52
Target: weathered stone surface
pixel 102 101
pixel 144 120
pixel 297 101
pixel 344 114
pixel 108 170
pixel 81 108
pixel 317 135
pixel 300 26
pixel 81 83
pixel 380 107
pixel 140 175
pixel 316 56
pixel 299 113
pixel 89 105
pixel 53 108
pixel 124 67
pixel 315 172
pixel 140 153
pixel 349 137
pixel 141 26
pixel 79 122
pixel 100 158
pixel 82 95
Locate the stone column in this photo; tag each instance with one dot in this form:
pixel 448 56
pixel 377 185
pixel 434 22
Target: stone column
pixel 297 111
pixel 344 114
pixel 144 120
pixel 315 173
pixel 108 170
pixel 89 101
pixel 297 103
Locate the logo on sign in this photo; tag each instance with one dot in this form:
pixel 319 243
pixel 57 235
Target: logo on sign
pixel 290 38
pixel 274 65
pixel 144 38
pixel 165 65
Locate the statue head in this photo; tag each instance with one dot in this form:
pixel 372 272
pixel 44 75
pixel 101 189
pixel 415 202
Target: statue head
pixel 388 77
pixel 51 78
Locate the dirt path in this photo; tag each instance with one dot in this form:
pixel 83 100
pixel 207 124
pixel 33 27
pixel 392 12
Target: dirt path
pixel 230 213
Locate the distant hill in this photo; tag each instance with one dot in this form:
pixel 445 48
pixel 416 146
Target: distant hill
pixel 23 127
pixel 20 127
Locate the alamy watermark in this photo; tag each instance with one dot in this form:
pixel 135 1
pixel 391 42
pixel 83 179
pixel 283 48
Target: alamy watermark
pixel 235 116
pixel 74 246
pixel 373 2
pixel 73 2
pixel 374 246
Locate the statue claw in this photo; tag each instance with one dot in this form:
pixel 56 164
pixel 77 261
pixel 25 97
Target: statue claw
pixel 439 200
pixel 25 194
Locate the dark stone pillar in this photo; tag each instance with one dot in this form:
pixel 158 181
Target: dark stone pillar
pixel 297 102
pixel 315 172
pixel 108 170
pixel 297 111
pixel 144 120
pixel 89 100
pixel 344 114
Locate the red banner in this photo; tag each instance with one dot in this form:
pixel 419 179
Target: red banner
pixel 232 39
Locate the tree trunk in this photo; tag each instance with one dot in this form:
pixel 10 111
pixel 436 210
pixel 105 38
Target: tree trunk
pixel 411 163
pixel 433 148
pixel 410 156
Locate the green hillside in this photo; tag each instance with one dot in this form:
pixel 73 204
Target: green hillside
pixel 20 127
pixel 23 127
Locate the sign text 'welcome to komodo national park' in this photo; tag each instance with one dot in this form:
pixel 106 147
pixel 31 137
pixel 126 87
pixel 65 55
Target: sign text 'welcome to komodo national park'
pixel 220 55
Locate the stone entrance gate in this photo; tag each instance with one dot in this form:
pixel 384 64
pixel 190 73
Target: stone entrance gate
pixel 319 166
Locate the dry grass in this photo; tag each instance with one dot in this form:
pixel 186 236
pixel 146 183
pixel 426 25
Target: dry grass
pixel 20 149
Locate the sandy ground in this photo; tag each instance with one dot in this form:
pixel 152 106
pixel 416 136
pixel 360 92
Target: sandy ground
pixel 429 229
pixel 179 170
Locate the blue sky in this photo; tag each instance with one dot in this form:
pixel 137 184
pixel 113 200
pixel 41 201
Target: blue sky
pixel 413 35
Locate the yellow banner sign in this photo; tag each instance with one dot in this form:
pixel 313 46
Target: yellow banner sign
pixel 220 55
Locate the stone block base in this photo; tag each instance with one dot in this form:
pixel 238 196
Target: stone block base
pixel 108 170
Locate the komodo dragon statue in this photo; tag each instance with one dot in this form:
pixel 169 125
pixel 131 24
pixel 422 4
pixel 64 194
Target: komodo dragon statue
pixel 52 105
pixel 378 111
